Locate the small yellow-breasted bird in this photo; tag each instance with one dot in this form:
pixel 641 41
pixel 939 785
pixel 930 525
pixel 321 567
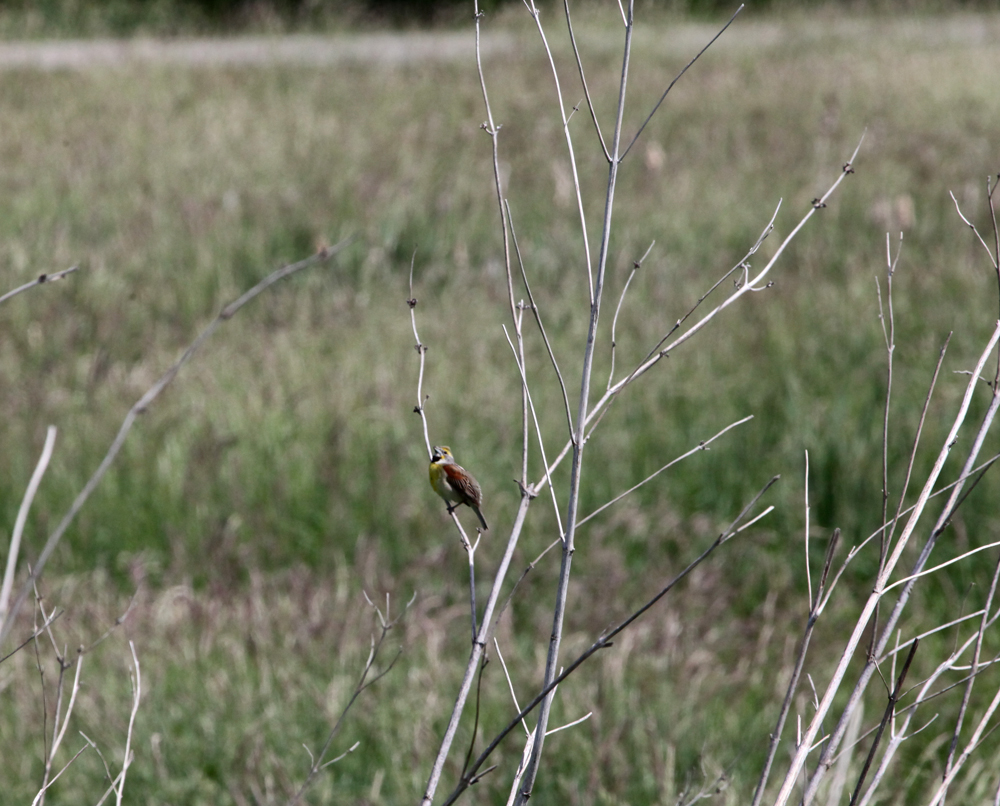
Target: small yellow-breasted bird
pixel 454 483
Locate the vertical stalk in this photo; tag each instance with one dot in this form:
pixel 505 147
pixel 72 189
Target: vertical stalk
pixel 551 665
pixel 478 647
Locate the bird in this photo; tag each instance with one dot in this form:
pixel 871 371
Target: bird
pixel 454 483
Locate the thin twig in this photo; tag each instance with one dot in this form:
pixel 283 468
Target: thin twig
pixel 583 80
pixel 538 434
pixel 100 755
pixel 40 280
pixel 470 551
pixel 701 446
pixel 476 712
pixel 137 695
pixel 530 5
pixel 742 265
pixel 678 78
pixel 510 683
pixel 74 690
pixel 421 349
pixel 805 497
pixel 939 628
pixel 39 798
pixel 493 130
pixel 541 328
pixel 936 568
pixel 522 362
pixel 909 470
pixel 816 609
pixel 38 630
pixel 750 284
pixel 972 226
pixel 916 438
pixel 614 321
pixel 994 254
pixel 990 190
pixel 60 720
pixel 319 762
pixel 755 283
pixel 889 335
pixel 611 395
pixel 886 716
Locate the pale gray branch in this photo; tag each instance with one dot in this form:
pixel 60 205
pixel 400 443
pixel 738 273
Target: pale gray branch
pixel 22 517
pixel 40 280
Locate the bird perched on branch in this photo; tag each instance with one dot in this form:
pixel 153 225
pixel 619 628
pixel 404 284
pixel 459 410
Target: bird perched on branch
pixel 454 483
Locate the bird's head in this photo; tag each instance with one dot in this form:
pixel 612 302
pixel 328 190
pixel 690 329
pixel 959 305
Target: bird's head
pixel 441 453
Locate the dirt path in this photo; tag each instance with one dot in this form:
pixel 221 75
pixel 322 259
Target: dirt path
pixel 976 30
pixel 379 48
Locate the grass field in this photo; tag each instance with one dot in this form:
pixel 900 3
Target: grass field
pixel 284 473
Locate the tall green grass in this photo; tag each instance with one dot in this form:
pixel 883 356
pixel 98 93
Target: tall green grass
pixel 287 454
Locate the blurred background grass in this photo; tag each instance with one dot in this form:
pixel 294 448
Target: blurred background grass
pixel 284 471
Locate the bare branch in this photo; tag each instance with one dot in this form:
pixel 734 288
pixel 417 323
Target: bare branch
pixel 493 130
pixel 968 223
pixel 702 446
pixel 614 322
pixel 486 626
pixel 678 78
pixel 40 280
pixel 889 710
pixel 569 148
pixel 805 496
pixel 800 659
pixel 742 265
pixel 39 629
pixel 928 571
pixel 541 328
pixel 22 517
pixel 538 433
pixel 136 696
pixel 421 349
pixel 575 722
pixel 583 80
pixel 319 761
pixel 751 284
pixel 39 797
